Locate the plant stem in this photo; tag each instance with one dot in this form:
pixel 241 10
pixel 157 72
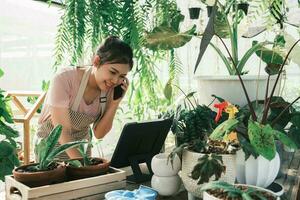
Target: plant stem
pixel 278 117
pixel 264 118
pixel 267 91
pixel 185 95
pixel 233 62
pixel 254 117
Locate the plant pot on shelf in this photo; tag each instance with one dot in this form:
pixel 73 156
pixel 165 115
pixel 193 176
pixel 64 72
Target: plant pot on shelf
pixel 229 88
pixel 268 194
pixel 30 178
pixel 259 172
pixel 100 167
pixel 189 160
pixel 194 12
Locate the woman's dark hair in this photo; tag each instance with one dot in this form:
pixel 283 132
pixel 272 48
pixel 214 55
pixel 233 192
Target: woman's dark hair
pixel 115 50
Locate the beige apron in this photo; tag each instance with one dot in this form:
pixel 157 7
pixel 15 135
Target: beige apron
pixel 80 122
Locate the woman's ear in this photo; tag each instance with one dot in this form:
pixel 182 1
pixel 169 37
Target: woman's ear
pixel 96 61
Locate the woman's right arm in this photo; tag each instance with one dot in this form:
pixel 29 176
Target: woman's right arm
pixel 61 116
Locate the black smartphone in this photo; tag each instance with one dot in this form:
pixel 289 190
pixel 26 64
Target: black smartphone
pixel 118 92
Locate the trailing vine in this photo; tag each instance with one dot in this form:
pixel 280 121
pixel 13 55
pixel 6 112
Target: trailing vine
pixel 85 23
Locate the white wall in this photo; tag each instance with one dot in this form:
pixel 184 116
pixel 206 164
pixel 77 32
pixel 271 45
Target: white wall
pixel 27 32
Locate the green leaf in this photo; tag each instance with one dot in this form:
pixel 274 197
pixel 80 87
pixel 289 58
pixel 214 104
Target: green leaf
pixel 6 149
pixel 262 139
pixel 168 90
pixel 62 148
pixel 75 163
pixel 285 139
pixel 269 57
pixel 206 167
pixel 223 129
pixel 255 47
pixel 220 26
pixel 1 72
pixel 51 141
pixel 8 131
pixel 207 35
pixel 166 38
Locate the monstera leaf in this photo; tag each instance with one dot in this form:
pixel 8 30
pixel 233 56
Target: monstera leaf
pixel 262 139
pixel 166 38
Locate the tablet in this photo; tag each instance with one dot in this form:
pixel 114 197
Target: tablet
pixel 138 143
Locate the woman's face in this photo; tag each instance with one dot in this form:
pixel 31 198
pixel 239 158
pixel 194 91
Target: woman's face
pixel 110 75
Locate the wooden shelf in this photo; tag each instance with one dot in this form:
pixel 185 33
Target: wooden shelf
pixel 27 115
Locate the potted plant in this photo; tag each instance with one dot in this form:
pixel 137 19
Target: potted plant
pixel 257 134
pixel 202 158
pixel 47 170
pixel 8 146
pixel 219 190
pixel 223 24
pixel 86 166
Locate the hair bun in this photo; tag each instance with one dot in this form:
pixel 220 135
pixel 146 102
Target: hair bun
pixel 111 40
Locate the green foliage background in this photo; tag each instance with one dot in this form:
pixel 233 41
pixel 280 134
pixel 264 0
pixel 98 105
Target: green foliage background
pixel 86 23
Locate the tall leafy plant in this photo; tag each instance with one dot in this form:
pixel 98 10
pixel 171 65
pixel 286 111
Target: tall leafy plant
pixel 260 130
pixel 85 23
pixel 47 151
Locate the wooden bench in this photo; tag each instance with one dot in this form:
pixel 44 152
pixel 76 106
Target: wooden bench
pixel 26 115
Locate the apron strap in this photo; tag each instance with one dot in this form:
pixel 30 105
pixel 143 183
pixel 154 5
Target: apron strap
pixel 82 86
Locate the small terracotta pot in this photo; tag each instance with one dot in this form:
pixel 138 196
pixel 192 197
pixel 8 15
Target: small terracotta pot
pixel 39 178
pixel 74 173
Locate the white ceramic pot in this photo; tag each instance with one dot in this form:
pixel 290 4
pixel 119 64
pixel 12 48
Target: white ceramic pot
pixel 162 167
pixel 230 88
pixel 260 172
pixel 207 196
pixel 189 160
pixel 166 185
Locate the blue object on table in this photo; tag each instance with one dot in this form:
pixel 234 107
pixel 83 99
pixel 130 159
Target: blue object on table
pixel 143 193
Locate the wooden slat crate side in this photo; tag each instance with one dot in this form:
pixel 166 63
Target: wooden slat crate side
pixel 94 193
pixel 30 193
pixel 119 175
pixel 12 185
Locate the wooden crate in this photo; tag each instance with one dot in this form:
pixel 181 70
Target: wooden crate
pixel 87 189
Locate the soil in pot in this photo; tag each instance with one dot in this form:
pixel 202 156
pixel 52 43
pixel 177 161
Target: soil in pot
pixel 98 167
pixel 219 193
pixel 30 176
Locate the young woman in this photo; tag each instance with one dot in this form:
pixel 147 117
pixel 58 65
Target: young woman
pixel 81 96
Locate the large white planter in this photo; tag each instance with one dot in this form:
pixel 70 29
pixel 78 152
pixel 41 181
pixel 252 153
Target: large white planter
pixel 189 160
pixel 260 172
pixel 207 196
pixel 230 88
